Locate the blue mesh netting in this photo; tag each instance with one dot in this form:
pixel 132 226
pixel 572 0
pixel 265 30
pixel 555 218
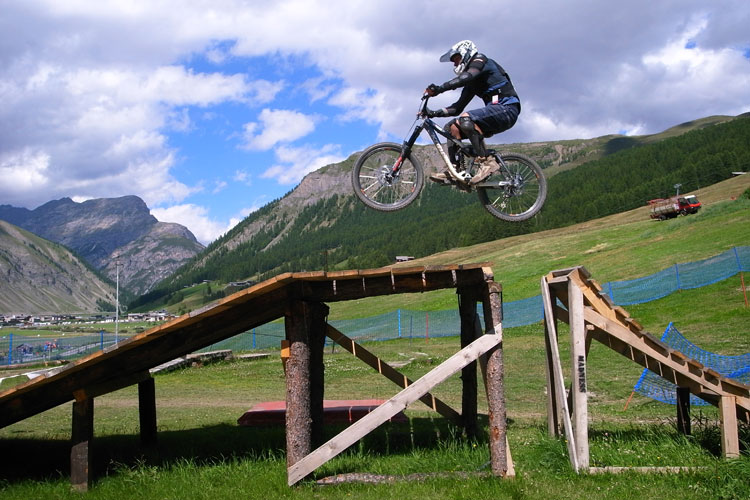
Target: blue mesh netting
pixel 644 289
pixel 653 386
pixel 680 277
pixel 405 323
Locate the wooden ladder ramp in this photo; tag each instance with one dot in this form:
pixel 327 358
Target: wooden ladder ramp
pixel 592 315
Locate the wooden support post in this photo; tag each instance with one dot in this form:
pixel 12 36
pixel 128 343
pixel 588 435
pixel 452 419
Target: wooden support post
pixel 492 304
pixel 305 331
pixel 147 412
pixel 467 307
pixel 578 391
pixel 730 442
pixel 556 375
pixel 683 410
pixel 318 328
pixel 553 422
pixel 82 435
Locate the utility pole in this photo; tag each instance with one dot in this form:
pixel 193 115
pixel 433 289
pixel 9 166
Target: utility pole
pixel 117 298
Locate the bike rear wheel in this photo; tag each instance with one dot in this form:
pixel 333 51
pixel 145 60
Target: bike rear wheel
pixel 517 191
pixel 375 182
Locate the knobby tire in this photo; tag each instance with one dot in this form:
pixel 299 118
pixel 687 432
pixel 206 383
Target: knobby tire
pixel 518 202
pixel 376 189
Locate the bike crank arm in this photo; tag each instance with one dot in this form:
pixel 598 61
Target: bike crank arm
pixel 491 184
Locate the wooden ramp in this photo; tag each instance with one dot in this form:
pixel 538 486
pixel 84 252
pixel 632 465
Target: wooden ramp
pixel 570 295
pixel 300 299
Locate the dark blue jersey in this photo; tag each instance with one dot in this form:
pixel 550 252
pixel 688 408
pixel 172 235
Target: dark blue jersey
pixel 483 78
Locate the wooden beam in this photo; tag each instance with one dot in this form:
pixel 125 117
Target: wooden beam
pixel 493 306
pixel 147 412
pixel 80 452
pixel 558 383
pixel 317 326
pixel 683 410
pixel 304 405
pixel 467 308
pixel 391 373
pixel 397 403
pixel 578 391
pixel 730 442
pixel 553 413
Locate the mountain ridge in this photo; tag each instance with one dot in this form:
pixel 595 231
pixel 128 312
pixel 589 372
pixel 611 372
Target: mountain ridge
pixel 105 231
pixel 40 276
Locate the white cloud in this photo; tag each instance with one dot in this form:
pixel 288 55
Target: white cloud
pixel 196 218
pixel 99 98
pixel 242 176
pixel 277 126
pixel 25 170
pixel 296 162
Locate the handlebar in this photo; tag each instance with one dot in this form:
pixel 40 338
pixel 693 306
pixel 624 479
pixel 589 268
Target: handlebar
pixel 423 105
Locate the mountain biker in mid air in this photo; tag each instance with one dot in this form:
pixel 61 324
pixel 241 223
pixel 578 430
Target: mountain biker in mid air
pixel 482 77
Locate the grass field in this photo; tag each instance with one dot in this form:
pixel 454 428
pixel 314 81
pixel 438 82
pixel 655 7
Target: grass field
pixel 202 453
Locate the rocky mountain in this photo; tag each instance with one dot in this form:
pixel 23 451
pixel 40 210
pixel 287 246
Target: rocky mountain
pixel 39 276
pixel 107 230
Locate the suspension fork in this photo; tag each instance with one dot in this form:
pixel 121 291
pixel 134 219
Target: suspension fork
pixel 406 148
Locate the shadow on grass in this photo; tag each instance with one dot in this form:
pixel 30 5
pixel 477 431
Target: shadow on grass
pixel 26 459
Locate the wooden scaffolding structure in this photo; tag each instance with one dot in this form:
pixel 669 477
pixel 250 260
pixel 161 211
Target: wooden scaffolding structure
pixel 571 296
pixel 300 299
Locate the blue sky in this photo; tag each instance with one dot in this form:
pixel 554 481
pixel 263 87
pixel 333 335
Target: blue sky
pixel 209 110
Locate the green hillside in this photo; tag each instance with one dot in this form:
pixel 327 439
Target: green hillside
pixel 338 232
pixel 623 246
pixel 40 276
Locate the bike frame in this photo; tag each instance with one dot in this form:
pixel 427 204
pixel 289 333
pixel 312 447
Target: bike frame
pixel 433 131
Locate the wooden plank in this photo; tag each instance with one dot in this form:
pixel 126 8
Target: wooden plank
pixel 730 442
pixel 593 297
pixel 397 403
pixel 391 373
pixel 579 394
pixel 557 375
pixel 553 423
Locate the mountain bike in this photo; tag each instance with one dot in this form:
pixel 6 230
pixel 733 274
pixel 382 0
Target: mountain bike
pixel 388 176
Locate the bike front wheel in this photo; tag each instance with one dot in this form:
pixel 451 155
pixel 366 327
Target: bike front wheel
pixel 385 181
pixel 517 191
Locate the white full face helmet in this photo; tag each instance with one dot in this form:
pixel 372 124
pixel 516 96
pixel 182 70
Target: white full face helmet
pixel 466 49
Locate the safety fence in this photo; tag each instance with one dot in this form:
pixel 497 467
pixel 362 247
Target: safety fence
pixel 403 323
pixel 655 387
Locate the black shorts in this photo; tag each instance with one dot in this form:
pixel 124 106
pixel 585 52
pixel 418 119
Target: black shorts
pixel 495 118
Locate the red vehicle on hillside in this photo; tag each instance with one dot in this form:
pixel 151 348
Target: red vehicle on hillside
pixel 668 208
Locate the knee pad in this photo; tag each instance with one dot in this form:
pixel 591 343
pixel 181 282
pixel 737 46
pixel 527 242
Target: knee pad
pixel 466 124
pixel 452 149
